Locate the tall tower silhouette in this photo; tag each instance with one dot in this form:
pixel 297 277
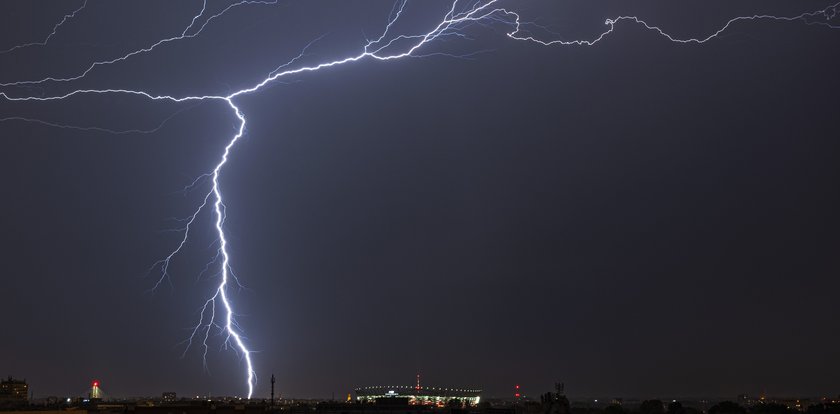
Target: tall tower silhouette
pixel 95 391
pixel 272 390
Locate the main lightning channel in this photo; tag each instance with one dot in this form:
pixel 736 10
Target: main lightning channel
pixel 218 207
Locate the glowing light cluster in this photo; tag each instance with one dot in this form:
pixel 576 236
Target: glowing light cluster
pixel 388 46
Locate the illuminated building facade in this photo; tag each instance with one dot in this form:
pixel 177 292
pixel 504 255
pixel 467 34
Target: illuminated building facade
pixel 417 395
pixel 95 391
pixel 14 390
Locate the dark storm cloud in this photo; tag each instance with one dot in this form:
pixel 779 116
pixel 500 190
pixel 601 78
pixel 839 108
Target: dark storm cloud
pixel 635 218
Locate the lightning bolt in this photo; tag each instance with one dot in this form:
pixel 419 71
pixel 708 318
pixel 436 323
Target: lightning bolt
pixel 386 47
pixel 184 35
pixel 49 36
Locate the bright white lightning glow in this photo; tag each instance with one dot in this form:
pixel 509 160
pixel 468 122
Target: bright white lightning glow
pixel 386 47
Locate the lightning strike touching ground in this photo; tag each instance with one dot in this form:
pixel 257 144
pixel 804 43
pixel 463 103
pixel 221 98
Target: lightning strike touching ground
pixel 385 47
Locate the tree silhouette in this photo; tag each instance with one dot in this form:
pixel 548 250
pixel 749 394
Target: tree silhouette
pixel 676 407
pixel 771 408
pixel 651 407
pixel 727 407
pixel 614 409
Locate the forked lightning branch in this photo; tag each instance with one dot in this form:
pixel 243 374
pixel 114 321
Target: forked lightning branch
pixel 217 313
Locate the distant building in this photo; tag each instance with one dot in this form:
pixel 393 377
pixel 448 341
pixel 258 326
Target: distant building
pixel 169 397
pixel 417 395
pixel 13 390
pixel 95 391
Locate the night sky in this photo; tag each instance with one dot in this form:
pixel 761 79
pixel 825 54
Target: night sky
pixel 635 218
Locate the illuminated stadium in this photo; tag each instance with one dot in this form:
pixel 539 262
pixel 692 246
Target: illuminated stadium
pixel 417 395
